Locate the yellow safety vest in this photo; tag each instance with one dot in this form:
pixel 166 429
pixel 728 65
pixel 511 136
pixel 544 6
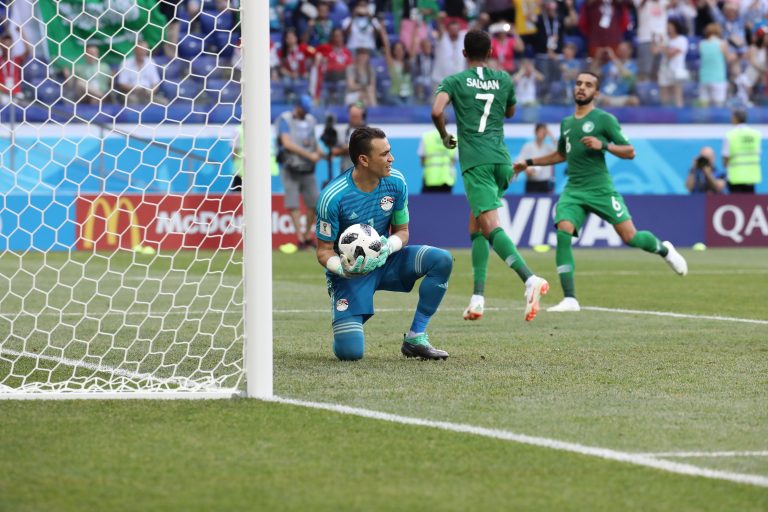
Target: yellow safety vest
pixel 237 158
pixel 439 167
pixel 744 159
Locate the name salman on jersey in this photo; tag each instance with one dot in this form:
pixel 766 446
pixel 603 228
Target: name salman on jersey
pixel 486 85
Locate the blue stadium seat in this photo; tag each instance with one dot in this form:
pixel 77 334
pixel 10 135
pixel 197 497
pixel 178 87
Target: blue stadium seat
pixel 190 46
pixel 648 93
pixel 34 70
pixel 693 54
pixel 230 93
pixel 175 69
pixel 203 65
pixel 579 42
pixel 49 91
pixel 190 87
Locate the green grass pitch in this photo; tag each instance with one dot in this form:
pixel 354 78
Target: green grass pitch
pixel 627 381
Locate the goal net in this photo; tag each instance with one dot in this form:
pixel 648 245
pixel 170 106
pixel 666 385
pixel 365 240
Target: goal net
pixel 121 229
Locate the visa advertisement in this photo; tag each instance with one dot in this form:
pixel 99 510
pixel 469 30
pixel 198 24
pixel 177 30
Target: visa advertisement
pixel 107 222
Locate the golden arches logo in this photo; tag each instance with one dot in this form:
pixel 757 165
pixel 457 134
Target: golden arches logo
pixel 111 214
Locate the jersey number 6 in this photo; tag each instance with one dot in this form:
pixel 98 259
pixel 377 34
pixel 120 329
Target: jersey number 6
pixel 488 99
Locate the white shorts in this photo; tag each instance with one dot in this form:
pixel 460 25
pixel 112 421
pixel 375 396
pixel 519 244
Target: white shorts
pixel 713 93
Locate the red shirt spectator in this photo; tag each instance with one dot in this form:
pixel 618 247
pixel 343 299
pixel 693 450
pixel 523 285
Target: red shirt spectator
pixel 336 57
pixel 504 46
pixel 603 23
pixel 295 58
pixel 10 73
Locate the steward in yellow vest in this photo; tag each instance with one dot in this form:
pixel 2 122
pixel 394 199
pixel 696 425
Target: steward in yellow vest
pixel 741 155
pixel 438 162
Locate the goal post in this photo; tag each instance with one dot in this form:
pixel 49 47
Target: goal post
pixel 130 266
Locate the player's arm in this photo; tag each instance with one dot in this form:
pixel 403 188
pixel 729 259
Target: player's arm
pixel 625 151
pixel 553 158
pixel 442 99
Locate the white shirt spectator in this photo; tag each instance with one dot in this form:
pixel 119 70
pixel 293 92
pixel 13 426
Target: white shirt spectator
pixel 533 150
pixel 651 19
pixel 525 86
pixel 362 33
pixel 132 75
pixel 448 57
pixel 673 70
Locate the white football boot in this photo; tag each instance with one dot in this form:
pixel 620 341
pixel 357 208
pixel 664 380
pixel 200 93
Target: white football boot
pixel 475 309
pixel 535 287
pixel 675 259
pixel 567 304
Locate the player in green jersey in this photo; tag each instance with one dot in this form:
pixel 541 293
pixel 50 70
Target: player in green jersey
pixel 584 139
pixel 482 97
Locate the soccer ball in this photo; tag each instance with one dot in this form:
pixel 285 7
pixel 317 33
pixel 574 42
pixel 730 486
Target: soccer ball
pixel 359 240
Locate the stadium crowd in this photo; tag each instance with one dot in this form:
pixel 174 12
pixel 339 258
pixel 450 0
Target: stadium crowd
pixel 395 52
pixel 672 52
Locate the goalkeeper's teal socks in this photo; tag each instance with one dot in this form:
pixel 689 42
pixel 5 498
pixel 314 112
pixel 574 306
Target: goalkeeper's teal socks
pixel 348 338
pixel 480 252
pixel 436 264
pixel 506 249
pixel 648 242
pixel 565 263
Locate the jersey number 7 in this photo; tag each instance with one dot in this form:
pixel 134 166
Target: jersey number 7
pixel 488 98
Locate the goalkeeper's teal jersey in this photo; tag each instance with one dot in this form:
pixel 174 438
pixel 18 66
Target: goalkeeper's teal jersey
pixel 342 204
pixel 480 98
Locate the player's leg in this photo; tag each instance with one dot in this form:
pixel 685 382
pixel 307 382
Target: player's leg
pixel 480 252
pixel 611 207
pixel 291 202
pixel 648 242
pixel 569 217
pixel 351 306
pixel 400 273
pixel 310 194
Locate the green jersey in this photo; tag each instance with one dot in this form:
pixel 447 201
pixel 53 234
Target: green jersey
pixel 480 98
pixel 586 167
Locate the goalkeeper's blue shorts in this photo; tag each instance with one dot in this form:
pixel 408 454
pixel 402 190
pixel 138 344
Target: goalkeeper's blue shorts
pixel 351 297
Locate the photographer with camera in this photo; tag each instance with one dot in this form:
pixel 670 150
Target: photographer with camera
pixel 704 177
pixel 356 116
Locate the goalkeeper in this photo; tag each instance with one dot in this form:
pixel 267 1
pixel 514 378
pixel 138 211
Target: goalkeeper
pixel 374 193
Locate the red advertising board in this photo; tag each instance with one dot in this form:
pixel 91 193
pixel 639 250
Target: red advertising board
pixel 737 220
pixel 193 221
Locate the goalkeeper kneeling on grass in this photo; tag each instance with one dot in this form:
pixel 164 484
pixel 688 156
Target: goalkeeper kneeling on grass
pixel 372 192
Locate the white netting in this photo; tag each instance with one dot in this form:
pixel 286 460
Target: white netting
pixel 120 236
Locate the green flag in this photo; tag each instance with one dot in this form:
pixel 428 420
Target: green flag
pixel 112 25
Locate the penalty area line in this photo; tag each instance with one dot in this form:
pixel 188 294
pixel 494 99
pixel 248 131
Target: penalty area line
pixel 759 453
pixel 543 442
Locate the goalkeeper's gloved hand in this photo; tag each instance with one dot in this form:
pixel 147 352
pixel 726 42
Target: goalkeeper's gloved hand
pixel 386 250
pixel 357 267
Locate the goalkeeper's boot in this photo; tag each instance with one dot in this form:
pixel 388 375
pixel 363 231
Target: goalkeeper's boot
pixel 419 346
pixel 535 287
pixel 567 304
pixel 475 309
pixel 675 259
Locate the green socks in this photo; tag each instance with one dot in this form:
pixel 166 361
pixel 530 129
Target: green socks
pixel 646 241
pixel 506 249
pixel 565 263
pixel 480 252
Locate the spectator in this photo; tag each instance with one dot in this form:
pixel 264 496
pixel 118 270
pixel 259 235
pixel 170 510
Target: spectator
pixel 10 68
pixel 704 177
pixel 299 152
pixel 170 9
pixel 361 28
pixel 449 58
pixel 526 83
pixel 548 40
pixel 570 67
pixel 504 45
pixel 651 28
pixel 438 163
pixel 92 77
pixel 673 73
pixel 412 17
pixel 741 155
pixel 399 66
pixel 603 23
pixel 756 68
pixel 423 64
pixel 734 28
pixel 138 78
pixel 540 179
pixel 356 116
pixel 526 12
pixel 319 29
pixel 499 10
pixel 333 60
pixel 457 10
pixel 618 76
pixel 684 11
pixel 703 17
pixel 361 80
pixel 713 72
pixel 295 58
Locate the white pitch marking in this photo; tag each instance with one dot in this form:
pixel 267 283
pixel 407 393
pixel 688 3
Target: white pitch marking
pixel 763 453
pixel 676 315
pixel 593 451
